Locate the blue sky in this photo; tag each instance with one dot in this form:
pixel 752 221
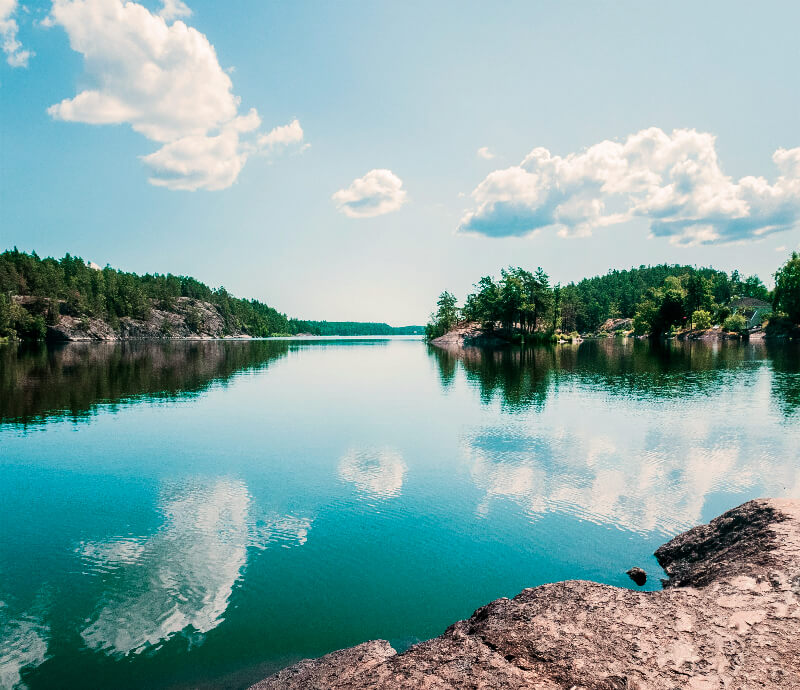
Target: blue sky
pixel 356 189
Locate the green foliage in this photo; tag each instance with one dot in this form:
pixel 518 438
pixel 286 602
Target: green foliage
pixel 659 299
pixel 787 288
pixel 587 304
pixel 520 301
pixel 26 325
pixel 5 316
pixel 445 318
pixel 70 286
pixel 753 287
pixel 721 313
pixel 701 319
pixel 349 328
pixel 779 325
pixel 735 323
pixel 698 293
pixel 662 310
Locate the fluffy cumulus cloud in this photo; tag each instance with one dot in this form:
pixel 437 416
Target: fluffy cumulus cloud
pixel 378 192
pixel 16 56
pixel 163 78
pixel 200 161
pixel 484 152
pixel 674 181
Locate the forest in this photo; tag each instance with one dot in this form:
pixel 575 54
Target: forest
pixel 522 304
pixel 70 286
pixel 323 328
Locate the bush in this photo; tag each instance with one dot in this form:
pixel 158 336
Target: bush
pixel 779 325
pixel 721 313
pixel 787 288
pixel 735 324
pixel 701 319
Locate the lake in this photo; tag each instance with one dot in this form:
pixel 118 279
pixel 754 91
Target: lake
pixel 201 514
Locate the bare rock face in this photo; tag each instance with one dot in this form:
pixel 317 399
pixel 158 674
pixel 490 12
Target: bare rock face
pixel 612 325
pixel 468 334
pixel 728 618
pixel 186 318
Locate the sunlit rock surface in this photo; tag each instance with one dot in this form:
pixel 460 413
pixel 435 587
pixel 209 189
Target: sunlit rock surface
pixel 729 617
pixel 186 318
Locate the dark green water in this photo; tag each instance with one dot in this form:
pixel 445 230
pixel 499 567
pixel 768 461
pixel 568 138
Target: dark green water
pixel 202 514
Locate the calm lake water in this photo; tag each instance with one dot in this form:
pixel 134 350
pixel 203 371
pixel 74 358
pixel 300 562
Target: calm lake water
pixel 202 514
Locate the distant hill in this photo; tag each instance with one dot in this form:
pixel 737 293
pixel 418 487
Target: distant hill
pixel 351 328
pixel 70 299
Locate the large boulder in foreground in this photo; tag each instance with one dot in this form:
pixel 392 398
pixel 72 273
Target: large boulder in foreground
pixel 729 617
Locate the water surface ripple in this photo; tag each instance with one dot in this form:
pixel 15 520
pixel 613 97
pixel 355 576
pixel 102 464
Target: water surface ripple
pixel 201 514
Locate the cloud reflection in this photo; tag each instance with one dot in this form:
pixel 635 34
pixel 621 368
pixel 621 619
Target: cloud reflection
pixel 645 480
pixel 182 577
pixel 376 472
pixel 23 645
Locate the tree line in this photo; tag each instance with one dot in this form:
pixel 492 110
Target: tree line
pixel 72 287
pixel 329 328
pixel 35 292
pixel 523 304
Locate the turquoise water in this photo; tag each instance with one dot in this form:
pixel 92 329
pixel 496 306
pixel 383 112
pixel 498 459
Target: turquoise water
pixel 202 514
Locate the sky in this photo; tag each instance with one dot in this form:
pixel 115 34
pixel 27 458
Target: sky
pixel 351 160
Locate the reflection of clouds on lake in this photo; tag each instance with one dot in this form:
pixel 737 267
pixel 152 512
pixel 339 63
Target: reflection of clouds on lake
pixel 377 472
pixel 285 529
pixel 104 556
pixel 182 577
pixel 650 471
pixel 23 645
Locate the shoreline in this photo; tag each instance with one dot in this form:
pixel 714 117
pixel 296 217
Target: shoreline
pixel 728 616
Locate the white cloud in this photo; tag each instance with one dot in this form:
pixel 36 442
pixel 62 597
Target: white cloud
pixel 672 180
pixel 484 152
pixel 174 9
pixel 782 248
pixel 165 81
pixel 378 192
pixel 200 161
pixel 15 55
pixel 283 137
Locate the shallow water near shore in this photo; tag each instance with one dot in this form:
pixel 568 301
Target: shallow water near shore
pixel 200 514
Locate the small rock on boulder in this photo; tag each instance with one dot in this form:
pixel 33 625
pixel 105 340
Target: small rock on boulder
pixel 638 575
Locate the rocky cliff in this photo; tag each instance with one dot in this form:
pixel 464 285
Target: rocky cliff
pixel 186 319
pixel 728 617
pixel 468 334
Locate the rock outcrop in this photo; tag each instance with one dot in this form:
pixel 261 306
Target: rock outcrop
pixel 468 334
pixel 728 618
pixel 615 325
pixel 185 319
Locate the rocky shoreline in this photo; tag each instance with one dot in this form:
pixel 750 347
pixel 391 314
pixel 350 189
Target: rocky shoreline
pixel 728 617
pixel 472 335
pixel 186 319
